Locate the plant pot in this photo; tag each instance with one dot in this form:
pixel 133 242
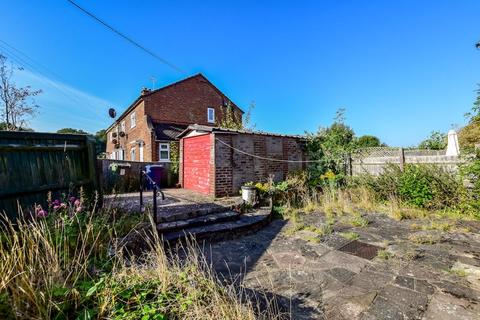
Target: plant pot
pixel 249 194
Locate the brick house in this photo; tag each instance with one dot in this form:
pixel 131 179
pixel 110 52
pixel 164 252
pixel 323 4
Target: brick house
pixel 147 130
pixel 218 161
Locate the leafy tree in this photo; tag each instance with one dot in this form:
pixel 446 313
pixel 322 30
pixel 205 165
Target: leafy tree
pixel 231 121
pixel 436 141
pixel 101 140
pixel 368 141
pixel 329 147
pixel 100 137
pixel 16 103
pixel 469 136
pixel 3 126
pixel 71 131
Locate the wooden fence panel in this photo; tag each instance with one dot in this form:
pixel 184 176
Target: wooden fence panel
pixel 33 163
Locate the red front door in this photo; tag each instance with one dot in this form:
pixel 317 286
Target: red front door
pixel 196 163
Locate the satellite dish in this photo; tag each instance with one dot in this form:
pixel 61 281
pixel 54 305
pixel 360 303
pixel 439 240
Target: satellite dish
pixel 112 113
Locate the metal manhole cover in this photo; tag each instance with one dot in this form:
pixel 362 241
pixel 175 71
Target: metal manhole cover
pixel 361 249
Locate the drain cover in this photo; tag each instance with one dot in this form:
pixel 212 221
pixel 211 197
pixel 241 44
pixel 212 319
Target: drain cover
pixel 361 249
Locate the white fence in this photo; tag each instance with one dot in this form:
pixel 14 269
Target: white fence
pixel 374 160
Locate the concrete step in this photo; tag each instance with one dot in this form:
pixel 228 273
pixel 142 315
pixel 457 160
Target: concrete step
pixel 171 213
pixel 201 220
pixel 245 223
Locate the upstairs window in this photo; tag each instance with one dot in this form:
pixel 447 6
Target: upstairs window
pixel 133 120
pixel 211 115
pixel 163 152
pixel 122 126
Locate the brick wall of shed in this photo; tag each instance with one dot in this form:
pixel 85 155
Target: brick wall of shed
pixel 233 169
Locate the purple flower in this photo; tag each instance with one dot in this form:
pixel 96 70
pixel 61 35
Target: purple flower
pixel 72 200
pixel 56 207
pixel 78 209
pixel 56 202
pixel 63 205
pixel 77 203
pixel 40 212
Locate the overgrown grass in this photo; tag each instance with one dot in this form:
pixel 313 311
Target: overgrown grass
pixel 72 266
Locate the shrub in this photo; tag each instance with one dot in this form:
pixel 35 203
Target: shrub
pixel 422 186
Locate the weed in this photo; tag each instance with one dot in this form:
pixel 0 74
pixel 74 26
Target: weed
pixel 358 221
pixel 350 235
pixel 423 238
pixel 458 272
pixel 62 267
pixel 384 255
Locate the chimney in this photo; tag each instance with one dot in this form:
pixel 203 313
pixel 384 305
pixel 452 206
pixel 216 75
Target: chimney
pixel 144 91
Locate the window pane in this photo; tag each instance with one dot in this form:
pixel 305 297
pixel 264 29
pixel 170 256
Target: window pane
pixel 163 155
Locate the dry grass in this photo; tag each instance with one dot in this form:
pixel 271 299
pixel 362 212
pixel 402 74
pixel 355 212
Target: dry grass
pixel 421 238
pixel 48 271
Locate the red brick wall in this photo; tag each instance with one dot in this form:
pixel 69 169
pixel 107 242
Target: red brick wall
pixel 233 169
pixel 187 103
pixel 139 132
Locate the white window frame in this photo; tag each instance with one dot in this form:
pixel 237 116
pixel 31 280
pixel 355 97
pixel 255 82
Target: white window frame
pixel 133 154
pixel 122 126
pixel 133 120
pixel 212 119
pixel 111 136
pixel 163 146
pixel 140 152
pixel 121 154
pixel 113 156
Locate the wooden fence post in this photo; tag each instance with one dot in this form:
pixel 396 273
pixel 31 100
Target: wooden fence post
pixel 401 155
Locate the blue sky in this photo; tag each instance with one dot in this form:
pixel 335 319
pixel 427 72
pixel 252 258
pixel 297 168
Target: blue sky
pixel 400 68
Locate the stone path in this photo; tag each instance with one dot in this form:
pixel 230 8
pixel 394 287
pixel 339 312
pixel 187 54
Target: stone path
pixel 424 274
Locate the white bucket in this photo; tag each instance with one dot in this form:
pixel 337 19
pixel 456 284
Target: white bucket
pixel 249 194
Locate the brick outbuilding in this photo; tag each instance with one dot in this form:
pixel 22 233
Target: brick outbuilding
pixel 218 161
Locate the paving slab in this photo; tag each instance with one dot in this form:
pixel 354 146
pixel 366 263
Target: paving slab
pixel 317 281
pixel 446 307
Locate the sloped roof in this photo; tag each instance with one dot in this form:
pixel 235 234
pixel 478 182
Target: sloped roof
pixel 197 127
pixel 168 131
pixel 149 93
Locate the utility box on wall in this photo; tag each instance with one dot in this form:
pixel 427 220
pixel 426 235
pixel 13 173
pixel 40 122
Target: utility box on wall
pixel 217 161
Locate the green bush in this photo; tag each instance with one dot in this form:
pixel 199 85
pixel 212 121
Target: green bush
pixel 414 186
pixel 422 186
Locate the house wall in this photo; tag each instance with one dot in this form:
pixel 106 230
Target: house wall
pixel 232 169
pixel 187 103
pixel 141 131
